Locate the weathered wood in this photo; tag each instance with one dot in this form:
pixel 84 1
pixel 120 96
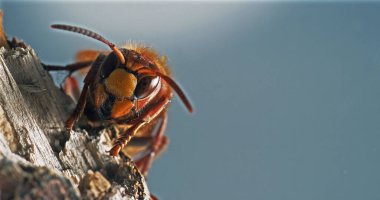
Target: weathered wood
pixel 24 181
pixel 32 115
pixel 28 138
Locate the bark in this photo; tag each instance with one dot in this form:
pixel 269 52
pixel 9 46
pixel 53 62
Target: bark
pixel 38 158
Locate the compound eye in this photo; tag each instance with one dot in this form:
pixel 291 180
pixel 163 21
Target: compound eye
pixel 146 86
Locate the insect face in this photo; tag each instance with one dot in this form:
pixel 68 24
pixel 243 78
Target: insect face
pixel 131 88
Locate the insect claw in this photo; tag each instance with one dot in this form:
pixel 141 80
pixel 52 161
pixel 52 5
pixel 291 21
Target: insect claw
pixel 114 151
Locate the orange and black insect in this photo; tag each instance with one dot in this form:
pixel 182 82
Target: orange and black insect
pixel 128 88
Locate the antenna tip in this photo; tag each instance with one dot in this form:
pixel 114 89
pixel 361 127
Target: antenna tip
pixel 58 26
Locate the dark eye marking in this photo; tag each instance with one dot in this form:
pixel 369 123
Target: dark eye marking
pixel 109 65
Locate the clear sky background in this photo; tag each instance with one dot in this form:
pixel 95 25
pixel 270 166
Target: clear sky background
pixel 286 94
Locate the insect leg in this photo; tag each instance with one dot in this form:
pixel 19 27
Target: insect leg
pixel 158 144
pixel 125 137
pixel 71 67
pixel 140 141
pixel 153 197
pixel 83 96
pixel 78 109
pixel 70 84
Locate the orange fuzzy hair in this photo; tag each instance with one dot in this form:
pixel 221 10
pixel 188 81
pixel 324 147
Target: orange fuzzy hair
pixel 150 54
